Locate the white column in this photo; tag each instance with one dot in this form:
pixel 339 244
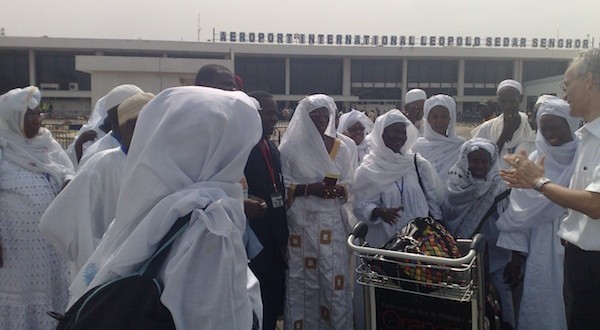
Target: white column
pixel 287 76
pixel 404 79
pixel 347 77
pixel 460 86
pixel 31 54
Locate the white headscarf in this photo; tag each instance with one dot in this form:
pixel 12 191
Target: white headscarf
pixel 382 166
pixel 41 153
pixel 188 152
pixel 469 198
pixel 439 149
pixel 353 117
pixel 529 208
pixel 303 145
pixel 115 97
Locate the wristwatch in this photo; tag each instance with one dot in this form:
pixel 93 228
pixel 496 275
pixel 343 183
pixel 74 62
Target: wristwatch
pixel 539 183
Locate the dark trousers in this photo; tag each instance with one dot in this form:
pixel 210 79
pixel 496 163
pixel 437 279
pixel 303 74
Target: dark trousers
pixel 581 288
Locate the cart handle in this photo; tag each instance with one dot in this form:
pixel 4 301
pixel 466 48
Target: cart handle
pixel 457 262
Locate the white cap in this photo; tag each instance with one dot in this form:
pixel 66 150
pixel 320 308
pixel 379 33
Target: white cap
pixel 415 95
pixel 510 83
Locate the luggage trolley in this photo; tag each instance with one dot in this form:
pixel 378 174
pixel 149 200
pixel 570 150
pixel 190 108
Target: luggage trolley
pixel 394 301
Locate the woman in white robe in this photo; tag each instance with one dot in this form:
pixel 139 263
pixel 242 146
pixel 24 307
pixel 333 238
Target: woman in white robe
pixel 187 154
pixel 386 192
pixel 33 168
pixel 472 188
pixel 95 122
pixel 317 171
pixel 530 224
pixel 356 125
pixel 78 217
pixel 439 144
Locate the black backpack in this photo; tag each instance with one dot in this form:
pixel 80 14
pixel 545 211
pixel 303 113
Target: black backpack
pixel 131 302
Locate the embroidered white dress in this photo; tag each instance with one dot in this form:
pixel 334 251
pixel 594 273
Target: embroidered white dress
pixel 34 277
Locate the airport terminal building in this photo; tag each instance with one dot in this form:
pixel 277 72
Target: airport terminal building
pixel 358 71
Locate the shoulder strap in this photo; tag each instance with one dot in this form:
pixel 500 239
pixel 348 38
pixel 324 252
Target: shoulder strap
pixel 153 264
pixel 489 212
pixel 418 174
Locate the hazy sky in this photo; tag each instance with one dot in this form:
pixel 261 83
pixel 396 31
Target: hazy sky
pixel 178 19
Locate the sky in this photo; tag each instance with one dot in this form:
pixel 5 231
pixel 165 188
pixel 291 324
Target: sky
pixel 180 20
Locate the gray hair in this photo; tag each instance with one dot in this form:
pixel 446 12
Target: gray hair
pixel 588 61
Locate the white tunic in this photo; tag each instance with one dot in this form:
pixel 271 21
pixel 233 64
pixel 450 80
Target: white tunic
pixel 34 277
pixel 76 220
pixel 396 195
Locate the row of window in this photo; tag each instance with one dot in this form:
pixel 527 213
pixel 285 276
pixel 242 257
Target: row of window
pixel 370 79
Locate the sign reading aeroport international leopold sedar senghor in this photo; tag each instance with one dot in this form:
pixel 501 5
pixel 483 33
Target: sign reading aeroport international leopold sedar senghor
pixel 401 41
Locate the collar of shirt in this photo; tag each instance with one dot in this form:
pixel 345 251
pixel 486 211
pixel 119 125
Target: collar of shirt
pixel 592 127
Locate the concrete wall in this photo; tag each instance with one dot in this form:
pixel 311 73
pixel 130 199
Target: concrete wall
pixel 150 74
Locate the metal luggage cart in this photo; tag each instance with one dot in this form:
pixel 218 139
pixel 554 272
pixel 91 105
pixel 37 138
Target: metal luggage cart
pixel 395 301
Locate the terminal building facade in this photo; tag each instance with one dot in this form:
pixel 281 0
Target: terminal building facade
pixel 361 72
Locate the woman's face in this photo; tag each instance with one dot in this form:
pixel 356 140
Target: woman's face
pixel 32 122
pixel 555 130
pixel 394 136
pixel 439 119
pixel 356 132
pixel 480 162
pixel 320 117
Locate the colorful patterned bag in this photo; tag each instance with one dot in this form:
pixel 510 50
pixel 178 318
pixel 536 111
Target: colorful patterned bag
pixel 420 236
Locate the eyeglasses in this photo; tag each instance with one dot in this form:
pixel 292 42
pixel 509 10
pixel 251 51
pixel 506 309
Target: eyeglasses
pixel 563 87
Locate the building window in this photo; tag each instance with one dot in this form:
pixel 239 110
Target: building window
pixel 14 70
pixel 264 74
pixel 374 79
pixel 433 76
pixel 311 76
pixel 57 71
pixel 483 76
pixel 533 70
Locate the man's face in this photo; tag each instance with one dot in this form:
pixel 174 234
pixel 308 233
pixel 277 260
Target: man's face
pixel 509 99
pixel 222 80
pixel 575 92
pixel 32 122
pixel 268 115
pixel 414 110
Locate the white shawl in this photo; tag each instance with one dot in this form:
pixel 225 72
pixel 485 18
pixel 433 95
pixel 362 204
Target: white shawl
pixel 529 208
pixel 41 153
pixel 382 166
pixel 351 118
pixel 492 129
pixel 468 198
pixel 115 97
pixel 187 154
pixel 303 145
pixel 442 151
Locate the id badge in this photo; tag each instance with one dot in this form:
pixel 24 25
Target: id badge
pixel 276 200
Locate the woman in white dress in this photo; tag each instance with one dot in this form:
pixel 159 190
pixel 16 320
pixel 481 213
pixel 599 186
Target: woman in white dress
pixel 476 196
pixel 33 168
pixel 440 144
pixel 357 125
pixel 317 170
pixel 187 154
pixel 530 224
pixel 387 193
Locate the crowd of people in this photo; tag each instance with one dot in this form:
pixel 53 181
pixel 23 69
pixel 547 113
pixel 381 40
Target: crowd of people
pixel 268 223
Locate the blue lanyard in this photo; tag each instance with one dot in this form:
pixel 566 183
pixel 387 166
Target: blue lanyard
pixel 400 189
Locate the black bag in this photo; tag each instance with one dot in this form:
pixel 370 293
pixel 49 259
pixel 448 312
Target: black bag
pixel 131 302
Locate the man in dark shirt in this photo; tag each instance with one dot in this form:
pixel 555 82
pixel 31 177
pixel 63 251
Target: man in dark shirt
pixel 265 183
